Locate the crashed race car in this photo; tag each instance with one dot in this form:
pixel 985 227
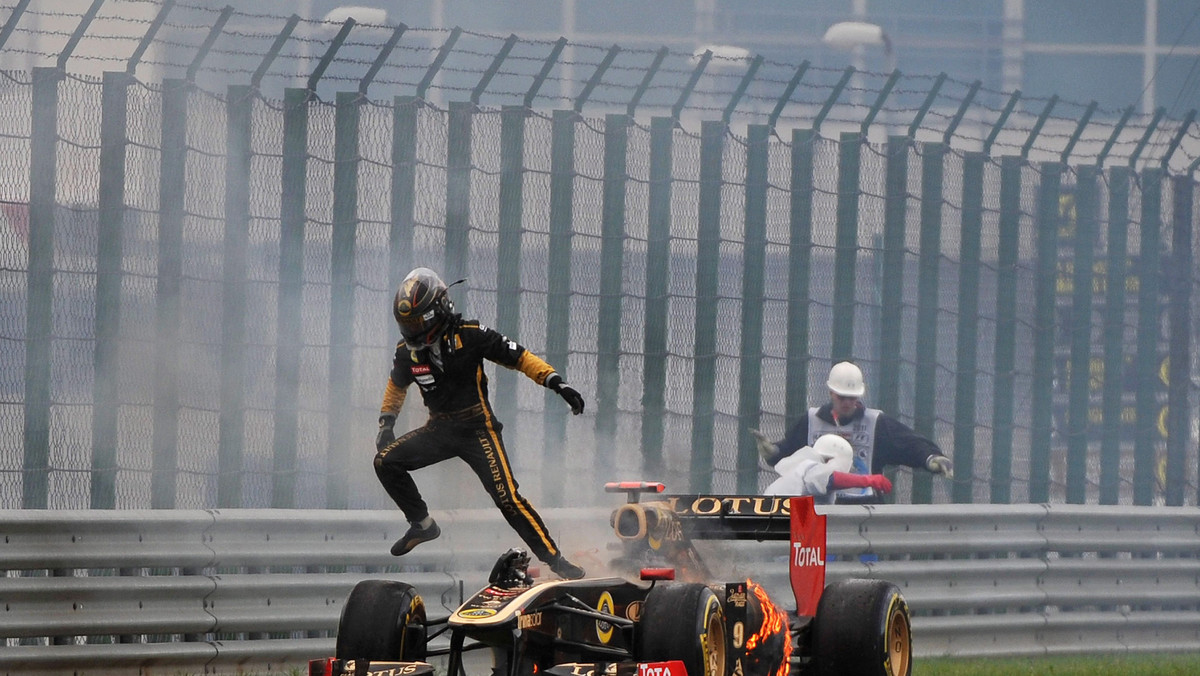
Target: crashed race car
pixel 663 616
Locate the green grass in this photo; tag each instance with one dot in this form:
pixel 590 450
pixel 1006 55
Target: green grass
pixel 1156 664
pixel 1101 665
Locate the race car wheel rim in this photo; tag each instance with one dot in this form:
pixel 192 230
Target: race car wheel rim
pixel 899 642
pixel 715 644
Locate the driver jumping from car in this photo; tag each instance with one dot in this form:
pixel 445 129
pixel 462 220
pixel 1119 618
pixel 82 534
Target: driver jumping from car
pixel 443 354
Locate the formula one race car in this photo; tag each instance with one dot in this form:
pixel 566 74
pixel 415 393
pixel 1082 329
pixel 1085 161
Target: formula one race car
pixel 644 623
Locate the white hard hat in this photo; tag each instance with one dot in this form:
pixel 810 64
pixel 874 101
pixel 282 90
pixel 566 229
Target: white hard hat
pixel 834 451
pixel 846 379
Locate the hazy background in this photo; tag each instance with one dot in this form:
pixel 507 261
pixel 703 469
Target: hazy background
pixel 1117 53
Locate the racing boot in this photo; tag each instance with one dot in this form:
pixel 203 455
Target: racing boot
pixel 563 568
pixel 415 536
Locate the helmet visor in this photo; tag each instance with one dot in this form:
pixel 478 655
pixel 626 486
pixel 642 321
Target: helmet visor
pixel 423 329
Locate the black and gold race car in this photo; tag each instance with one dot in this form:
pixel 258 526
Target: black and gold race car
pixel 664 616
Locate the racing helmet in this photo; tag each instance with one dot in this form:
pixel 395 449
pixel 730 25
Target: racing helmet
pixel 835 451
pixel 846 379
pixel 422 307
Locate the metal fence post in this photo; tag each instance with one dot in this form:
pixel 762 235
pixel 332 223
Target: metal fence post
pixel 786 95
pixel 458 191
pixel 1045 278
pixel 754 261
pixel 1117 276
pixel 708 260
pixel 612 243
pixel 404 181
pixel 631 109
pixel 11 23
pixel 658 271
pixel 436 65
pixel 490 72
pixel 39 318
pixel 891 295
pixel 967 347
pixel 288 333
pixel 799 267
pixel 168 294
pixel 1007 267
pixel 930 242
pixel 744 84
pixel 239 106
pixel 109 251
pixel 846 247
pixel 341 294
pixel 508 252
pixel 1149 334
pixel 684 94
pixel 558 294
pixel 1179 350
pixel 544 72
pixel 1079 396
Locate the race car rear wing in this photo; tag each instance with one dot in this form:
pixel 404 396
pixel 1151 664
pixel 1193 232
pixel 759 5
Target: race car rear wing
pixel 733 517
pixel 669 523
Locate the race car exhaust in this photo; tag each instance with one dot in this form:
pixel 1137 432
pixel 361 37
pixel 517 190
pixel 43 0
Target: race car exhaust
pixel 652 522
pixel 629 522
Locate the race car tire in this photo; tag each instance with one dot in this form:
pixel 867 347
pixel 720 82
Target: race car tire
pixel 862 628
pixel 683 622
pixel 383 620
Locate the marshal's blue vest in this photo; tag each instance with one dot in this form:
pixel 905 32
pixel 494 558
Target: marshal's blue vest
pixel 860 434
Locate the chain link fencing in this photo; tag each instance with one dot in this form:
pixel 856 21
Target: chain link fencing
pixel 197 271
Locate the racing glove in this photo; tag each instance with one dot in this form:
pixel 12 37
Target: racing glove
pixel 766 449
pixel 386 434
pixel 940 464
pixel 568 393
pixel 879 482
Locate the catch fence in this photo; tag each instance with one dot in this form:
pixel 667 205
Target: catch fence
pixel 197 276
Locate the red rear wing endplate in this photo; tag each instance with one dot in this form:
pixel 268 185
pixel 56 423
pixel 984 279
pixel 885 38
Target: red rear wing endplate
pixel 806 560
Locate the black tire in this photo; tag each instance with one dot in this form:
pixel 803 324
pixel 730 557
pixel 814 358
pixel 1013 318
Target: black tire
pixel 862 628
pixel 684 622
pixel 383 620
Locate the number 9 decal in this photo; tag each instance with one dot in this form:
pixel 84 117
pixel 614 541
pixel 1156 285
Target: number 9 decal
pixel 739 634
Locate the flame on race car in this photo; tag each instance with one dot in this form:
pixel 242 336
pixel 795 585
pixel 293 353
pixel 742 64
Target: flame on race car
pixel 773 630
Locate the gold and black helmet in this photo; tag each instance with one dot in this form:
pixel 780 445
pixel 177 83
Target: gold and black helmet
pixel 422 307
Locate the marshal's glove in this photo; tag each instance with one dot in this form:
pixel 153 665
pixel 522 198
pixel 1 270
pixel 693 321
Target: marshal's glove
pixel 940 464
pixel 878 482
pixel 766 448
pixel 386 434
pixel 568 393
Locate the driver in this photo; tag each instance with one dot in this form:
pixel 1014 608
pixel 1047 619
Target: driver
pixel 443 354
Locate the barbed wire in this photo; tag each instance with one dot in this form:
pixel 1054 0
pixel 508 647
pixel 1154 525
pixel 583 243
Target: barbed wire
pixel 442 65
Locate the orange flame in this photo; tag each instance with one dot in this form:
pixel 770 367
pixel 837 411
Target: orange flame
pixel 774 623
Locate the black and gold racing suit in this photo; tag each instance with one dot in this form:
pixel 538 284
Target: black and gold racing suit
pixel 461 423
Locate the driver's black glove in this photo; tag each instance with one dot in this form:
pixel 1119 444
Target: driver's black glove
pixel 573 398
pixel 386 434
